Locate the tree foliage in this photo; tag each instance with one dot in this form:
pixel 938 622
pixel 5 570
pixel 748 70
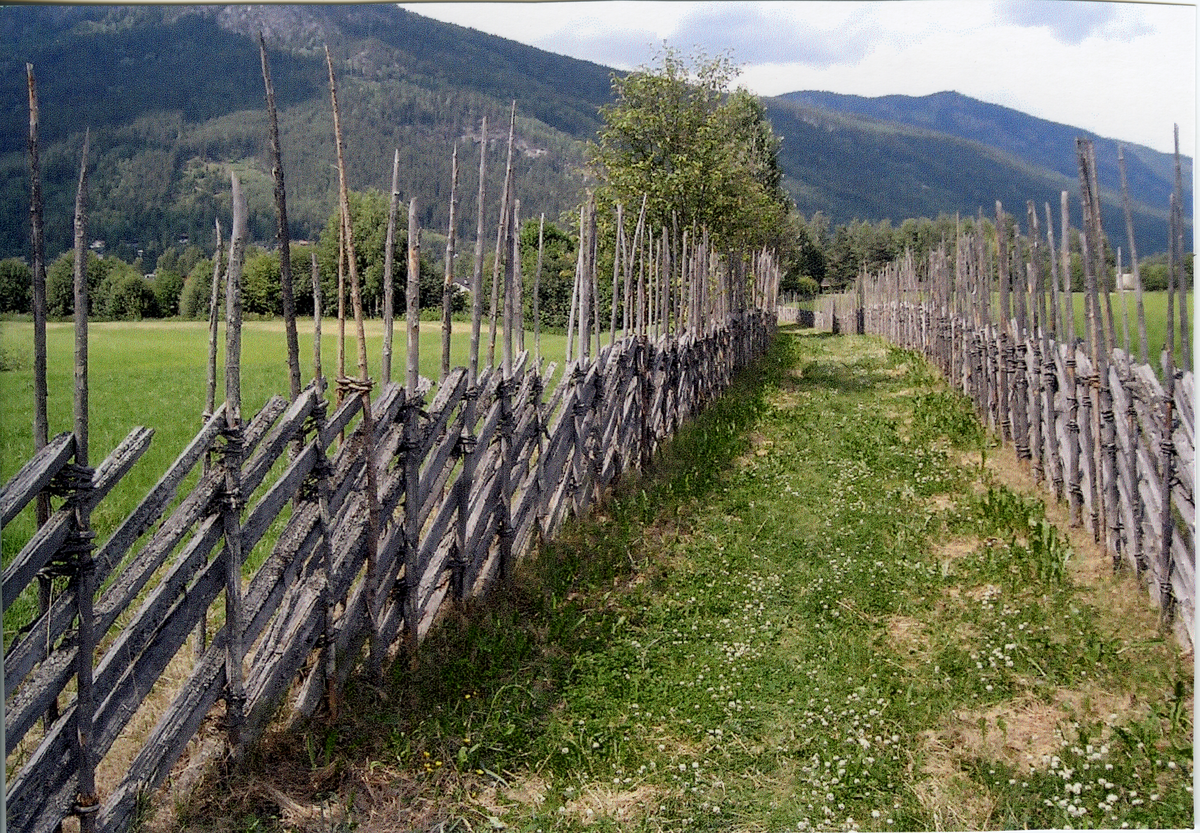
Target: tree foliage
pixel 369 216
pixel 703 155
pixel 558 272
pixel 16 280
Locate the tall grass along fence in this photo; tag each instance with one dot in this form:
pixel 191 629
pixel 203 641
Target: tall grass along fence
pixel 366 512
pixel 1100 429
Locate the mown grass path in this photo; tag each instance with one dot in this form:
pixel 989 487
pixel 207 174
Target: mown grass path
pixel 834 607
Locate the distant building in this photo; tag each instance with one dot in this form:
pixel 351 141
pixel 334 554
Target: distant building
pixel 1125 281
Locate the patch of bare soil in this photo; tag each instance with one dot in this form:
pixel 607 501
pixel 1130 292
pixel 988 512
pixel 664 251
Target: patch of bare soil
pixel 909 639
pixel 1023 732
pixel 623 807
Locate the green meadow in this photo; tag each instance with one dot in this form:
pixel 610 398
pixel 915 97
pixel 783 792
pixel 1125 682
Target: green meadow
pixel 1155 304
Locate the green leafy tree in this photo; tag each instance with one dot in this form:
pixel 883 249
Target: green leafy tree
pixel 558 272
pixel 195 295
pixel 16 282
pixel 131 297
pixel 368 214
pixel 168 285
pixel 60 283
pixel 702 155
pixel 261 283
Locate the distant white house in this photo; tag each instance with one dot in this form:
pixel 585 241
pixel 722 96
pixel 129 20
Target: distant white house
pixel 1125 281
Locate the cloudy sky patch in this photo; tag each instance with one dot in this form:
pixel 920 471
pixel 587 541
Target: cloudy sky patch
pixel 761 33
pixel 1124 70
pixel 1069 21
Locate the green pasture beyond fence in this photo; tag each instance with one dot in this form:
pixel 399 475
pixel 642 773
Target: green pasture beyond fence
pixel 1154 304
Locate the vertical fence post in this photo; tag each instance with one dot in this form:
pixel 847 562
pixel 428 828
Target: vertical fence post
pixel 283 234
pixel 412 460
pixel 389 265
pixel 448 282
pixel 232 500
pixel 321 474
pixel 87 801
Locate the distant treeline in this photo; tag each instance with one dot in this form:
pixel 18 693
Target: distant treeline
pixel 822 257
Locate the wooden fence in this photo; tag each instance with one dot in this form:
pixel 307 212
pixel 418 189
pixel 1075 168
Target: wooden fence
pixel 1098 428
pixel 466 483
pixel 364 522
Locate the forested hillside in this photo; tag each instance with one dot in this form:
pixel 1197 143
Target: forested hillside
pixel 851 159
pixel 174 99
pixel 1048 144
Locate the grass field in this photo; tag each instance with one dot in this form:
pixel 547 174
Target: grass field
pixel 834 606
pixel 1155 304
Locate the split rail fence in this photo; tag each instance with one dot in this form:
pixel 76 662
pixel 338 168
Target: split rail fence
pixel 368 520
pixel 1099 429
pixel 466 484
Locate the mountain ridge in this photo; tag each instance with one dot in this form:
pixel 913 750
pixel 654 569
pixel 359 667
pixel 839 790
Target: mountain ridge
pixel 168 124
pixel 1016 133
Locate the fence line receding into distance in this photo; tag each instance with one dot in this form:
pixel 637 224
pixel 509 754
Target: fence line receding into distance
pixel 1100 429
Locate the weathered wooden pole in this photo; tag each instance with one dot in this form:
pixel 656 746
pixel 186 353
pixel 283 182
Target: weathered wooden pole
pixel 211 393
pixel 412 460
pixel 1166 600
pixel 511 256
pixel 389 269
pixel 585 242
pixel 537 292
pixel 233 500
pixel 1088 242
pixel 282 235
pixel 518 280
pixel 1007 350
pixel 477 269
pixel 37 243
pixel 1126 343
pixel 618 240
pixel 213 320
pixel 1143 356
pixel 636 252
pixel 316 288
pixel 501 231
pixel 1074 486
pixel 1051 358
pixel 594 271
pixel 575 290
pixel 81 312
pixel 448 282
pixel 81 536
pixel 362 386
pixel 341 308
pixel 509 315
pixel 1106 433
pixel 1185 339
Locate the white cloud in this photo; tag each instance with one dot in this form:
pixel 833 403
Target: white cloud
pixel 1125 70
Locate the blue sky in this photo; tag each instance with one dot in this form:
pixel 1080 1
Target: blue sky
pixel 1125 70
